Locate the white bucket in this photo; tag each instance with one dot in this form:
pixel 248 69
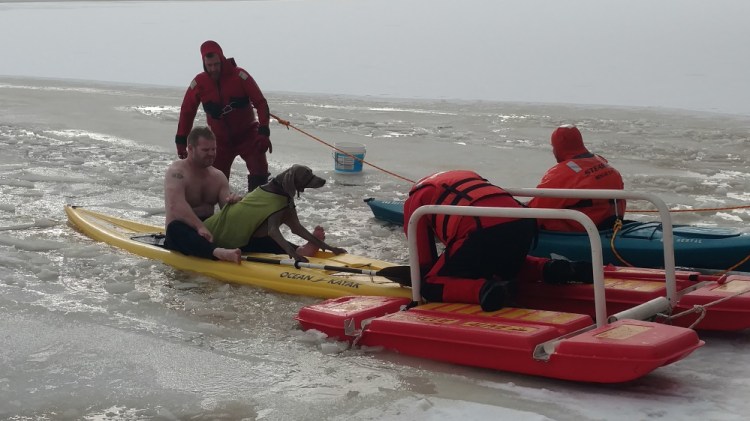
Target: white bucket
pixel 345 163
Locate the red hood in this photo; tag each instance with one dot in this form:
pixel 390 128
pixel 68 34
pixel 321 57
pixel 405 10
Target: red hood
pixel 209 47
pixel 567 143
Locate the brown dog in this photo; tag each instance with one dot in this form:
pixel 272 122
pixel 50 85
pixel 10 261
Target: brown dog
pixel 290 183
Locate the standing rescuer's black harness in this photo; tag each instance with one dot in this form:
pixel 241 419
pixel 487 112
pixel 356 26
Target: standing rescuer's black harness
pixel 216 111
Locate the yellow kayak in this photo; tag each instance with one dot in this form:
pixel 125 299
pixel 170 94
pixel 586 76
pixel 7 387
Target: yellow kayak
pixel 335 280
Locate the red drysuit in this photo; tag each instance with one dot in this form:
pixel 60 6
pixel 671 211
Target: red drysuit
pixel 577 168
pixel 229 104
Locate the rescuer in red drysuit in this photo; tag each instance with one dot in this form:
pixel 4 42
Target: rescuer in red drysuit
pixel 228 94
pixel 484 257
pixel 577 168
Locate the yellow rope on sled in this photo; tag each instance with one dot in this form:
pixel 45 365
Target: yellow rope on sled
pixel 618 226
pixel 741 262
pixel 615 230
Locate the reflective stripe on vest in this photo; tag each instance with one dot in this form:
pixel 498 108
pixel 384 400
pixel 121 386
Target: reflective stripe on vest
pixel 573 166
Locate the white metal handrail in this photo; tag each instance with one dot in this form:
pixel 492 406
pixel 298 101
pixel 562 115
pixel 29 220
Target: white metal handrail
pixel 596 244
pixel 666 220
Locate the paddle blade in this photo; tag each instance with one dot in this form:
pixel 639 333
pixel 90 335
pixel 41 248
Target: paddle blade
pixel 398 274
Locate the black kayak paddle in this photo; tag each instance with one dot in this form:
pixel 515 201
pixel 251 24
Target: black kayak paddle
pixel 398 274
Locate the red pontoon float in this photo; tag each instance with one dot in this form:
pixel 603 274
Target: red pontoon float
pixel 702 302
pixel 543 343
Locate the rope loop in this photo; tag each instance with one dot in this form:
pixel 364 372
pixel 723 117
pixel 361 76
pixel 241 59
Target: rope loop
pixel 615 231
pixel 702 308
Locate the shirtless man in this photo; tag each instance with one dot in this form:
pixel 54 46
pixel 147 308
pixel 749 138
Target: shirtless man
pixel 192 189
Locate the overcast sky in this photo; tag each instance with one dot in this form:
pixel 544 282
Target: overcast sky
pixel 670 53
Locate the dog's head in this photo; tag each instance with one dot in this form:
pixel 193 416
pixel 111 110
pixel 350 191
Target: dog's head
pixel 295 179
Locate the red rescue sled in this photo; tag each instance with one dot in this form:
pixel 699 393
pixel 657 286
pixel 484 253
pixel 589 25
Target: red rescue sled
pixel 544 343
pixel 555 335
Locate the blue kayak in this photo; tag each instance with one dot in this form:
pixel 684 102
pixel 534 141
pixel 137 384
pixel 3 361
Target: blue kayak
pixel 638 243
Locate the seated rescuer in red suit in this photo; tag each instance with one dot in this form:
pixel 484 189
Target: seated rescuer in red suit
pixel 228 94
pixel 577 168
pixel 484 256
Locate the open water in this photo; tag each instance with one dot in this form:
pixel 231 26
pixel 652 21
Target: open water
pixel 92 332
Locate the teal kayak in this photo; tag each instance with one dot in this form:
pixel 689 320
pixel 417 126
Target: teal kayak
pixel 637 243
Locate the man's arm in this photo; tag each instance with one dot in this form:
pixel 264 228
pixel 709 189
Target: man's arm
pixel 226 196
pixel 188 110
pixel 425 236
